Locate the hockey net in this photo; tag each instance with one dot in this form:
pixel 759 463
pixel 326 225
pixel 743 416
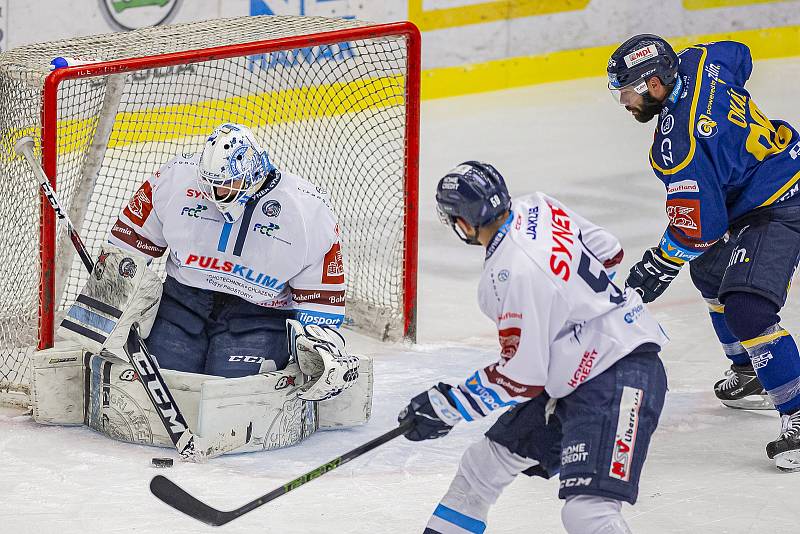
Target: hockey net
pixel 335 101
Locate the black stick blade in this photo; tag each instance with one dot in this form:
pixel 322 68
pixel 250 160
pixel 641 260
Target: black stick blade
pixel 175 496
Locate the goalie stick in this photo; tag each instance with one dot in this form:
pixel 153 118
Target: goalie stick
pixel 189 445
pixel 178 498
pixel 24 148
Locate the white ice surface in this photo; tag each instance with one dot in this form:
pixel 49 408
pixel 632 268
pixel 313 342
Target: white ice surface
pixel 706 472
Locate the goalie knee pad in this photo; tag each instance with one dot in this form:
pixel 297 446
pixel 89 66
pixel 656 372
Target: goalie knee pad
pixel 591 514
pixel 120 290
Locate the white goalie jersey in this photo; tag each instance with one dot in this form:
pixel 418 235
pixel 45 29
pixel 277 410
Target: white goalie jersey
pixel 560 319
pixel 283 252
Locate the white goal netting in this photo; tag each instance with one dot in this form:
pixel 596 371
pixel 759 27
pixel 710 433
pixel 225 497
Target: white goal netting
pixel 335 112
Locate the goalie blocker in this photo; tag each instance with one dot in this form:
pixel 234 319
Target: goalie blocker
pixel 84 380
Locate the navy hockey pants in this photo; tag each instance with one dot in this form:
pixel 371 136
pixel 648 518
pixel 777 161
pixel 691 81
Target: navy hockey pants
pixel 202 331
pixel 598 436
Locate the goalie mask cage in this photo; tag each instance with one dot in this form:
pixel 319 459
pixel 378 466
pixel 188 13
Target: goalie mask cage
pixel 335 101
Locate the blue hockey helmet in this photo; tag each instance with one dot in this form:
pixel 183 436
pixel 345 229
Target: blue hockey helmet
pixel 636 61
pixel 475 192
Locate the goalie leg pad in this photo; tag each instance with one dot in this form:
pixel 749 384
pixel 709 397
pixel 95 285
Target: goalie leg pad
pixel 120 290
pixel 352 406
pixel 72 387
pixel 268 400
pixel 118 406
pixel 57 388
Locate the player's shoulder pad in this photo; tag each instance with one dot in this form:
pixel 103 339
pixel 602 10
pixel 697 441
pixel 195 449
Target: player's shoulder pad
pixel 178 173
pixel 181 161
pixel 310 195
pixel 531 236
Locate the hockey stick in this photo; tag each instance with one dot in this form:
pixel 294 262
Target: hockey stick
pixel 189 445
pixel 24 148
pixel 178 498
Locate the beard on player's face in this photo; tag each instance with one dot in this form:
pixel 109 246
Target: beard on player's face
pixel 646 108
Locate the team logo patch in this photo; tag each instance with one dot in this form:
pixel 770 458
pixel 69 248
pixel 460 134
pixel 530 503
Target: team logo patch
pixel 333 267
pixel 285 382
pixel 140 206
pixel 271 208
pixel 685 214
pixel 625 438
pixel 706 126
pixel 100 266
pixel 503 275
pixel 509 342
pixel 127 268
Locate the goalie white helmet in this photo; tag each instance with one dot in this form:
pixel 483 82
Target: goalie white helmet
pixel 232 168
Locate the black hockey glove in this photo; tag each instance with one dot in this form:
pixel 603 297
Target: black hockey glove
pixel 432 414
pixel 651 276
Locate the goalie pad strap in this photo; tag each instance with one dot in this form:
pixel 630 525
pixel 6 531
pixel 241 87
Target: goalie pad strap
pixel 99 305
pixel 83 331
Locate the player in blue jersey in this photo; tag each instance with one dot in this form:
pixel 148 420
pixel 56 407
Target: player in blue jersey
pixel 732 178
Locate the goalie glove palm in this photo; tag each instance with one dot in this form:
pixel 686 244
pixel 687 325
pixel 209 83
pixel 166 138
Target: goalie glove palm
pixel 320 353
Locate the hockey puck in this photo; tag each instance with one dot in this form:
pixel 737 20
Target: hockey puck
pixel 161 462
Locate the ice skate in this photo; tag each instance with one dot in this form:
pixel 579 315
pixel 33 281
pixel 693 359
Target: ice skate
pixel 742 389
pixel 786 449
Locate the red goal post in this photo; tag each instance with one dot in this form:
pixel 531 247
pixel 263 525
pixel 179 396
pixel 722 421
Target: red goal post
pixel 337 100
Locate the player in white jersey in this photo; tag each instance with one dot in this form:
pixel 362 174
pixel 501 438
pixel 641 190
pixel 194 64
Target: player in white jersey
pixel 579 366
pixel 250 246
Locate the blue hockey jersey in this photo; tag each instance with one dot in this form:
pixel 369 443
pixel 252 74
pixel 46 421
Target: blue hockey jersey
pixel 717 154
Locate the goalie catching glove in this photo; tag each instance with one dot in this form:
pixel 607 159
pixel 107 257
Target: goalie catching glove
pixel 321 354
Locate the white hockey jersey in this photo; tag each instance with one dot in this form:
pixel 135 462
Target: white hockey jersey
pixel 283 252
pixel 560 319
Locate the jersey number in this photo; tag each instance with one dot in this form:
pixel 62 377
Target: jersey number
pixel 600 282
pixel 763 139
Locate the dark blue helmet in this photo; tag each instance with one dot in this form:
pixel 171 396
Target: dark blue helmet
pixel 638 59
pixel 475 192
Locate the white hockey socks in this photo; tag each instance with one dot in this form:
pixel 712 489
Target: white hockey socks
pixel 486 468
pixel 591 514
